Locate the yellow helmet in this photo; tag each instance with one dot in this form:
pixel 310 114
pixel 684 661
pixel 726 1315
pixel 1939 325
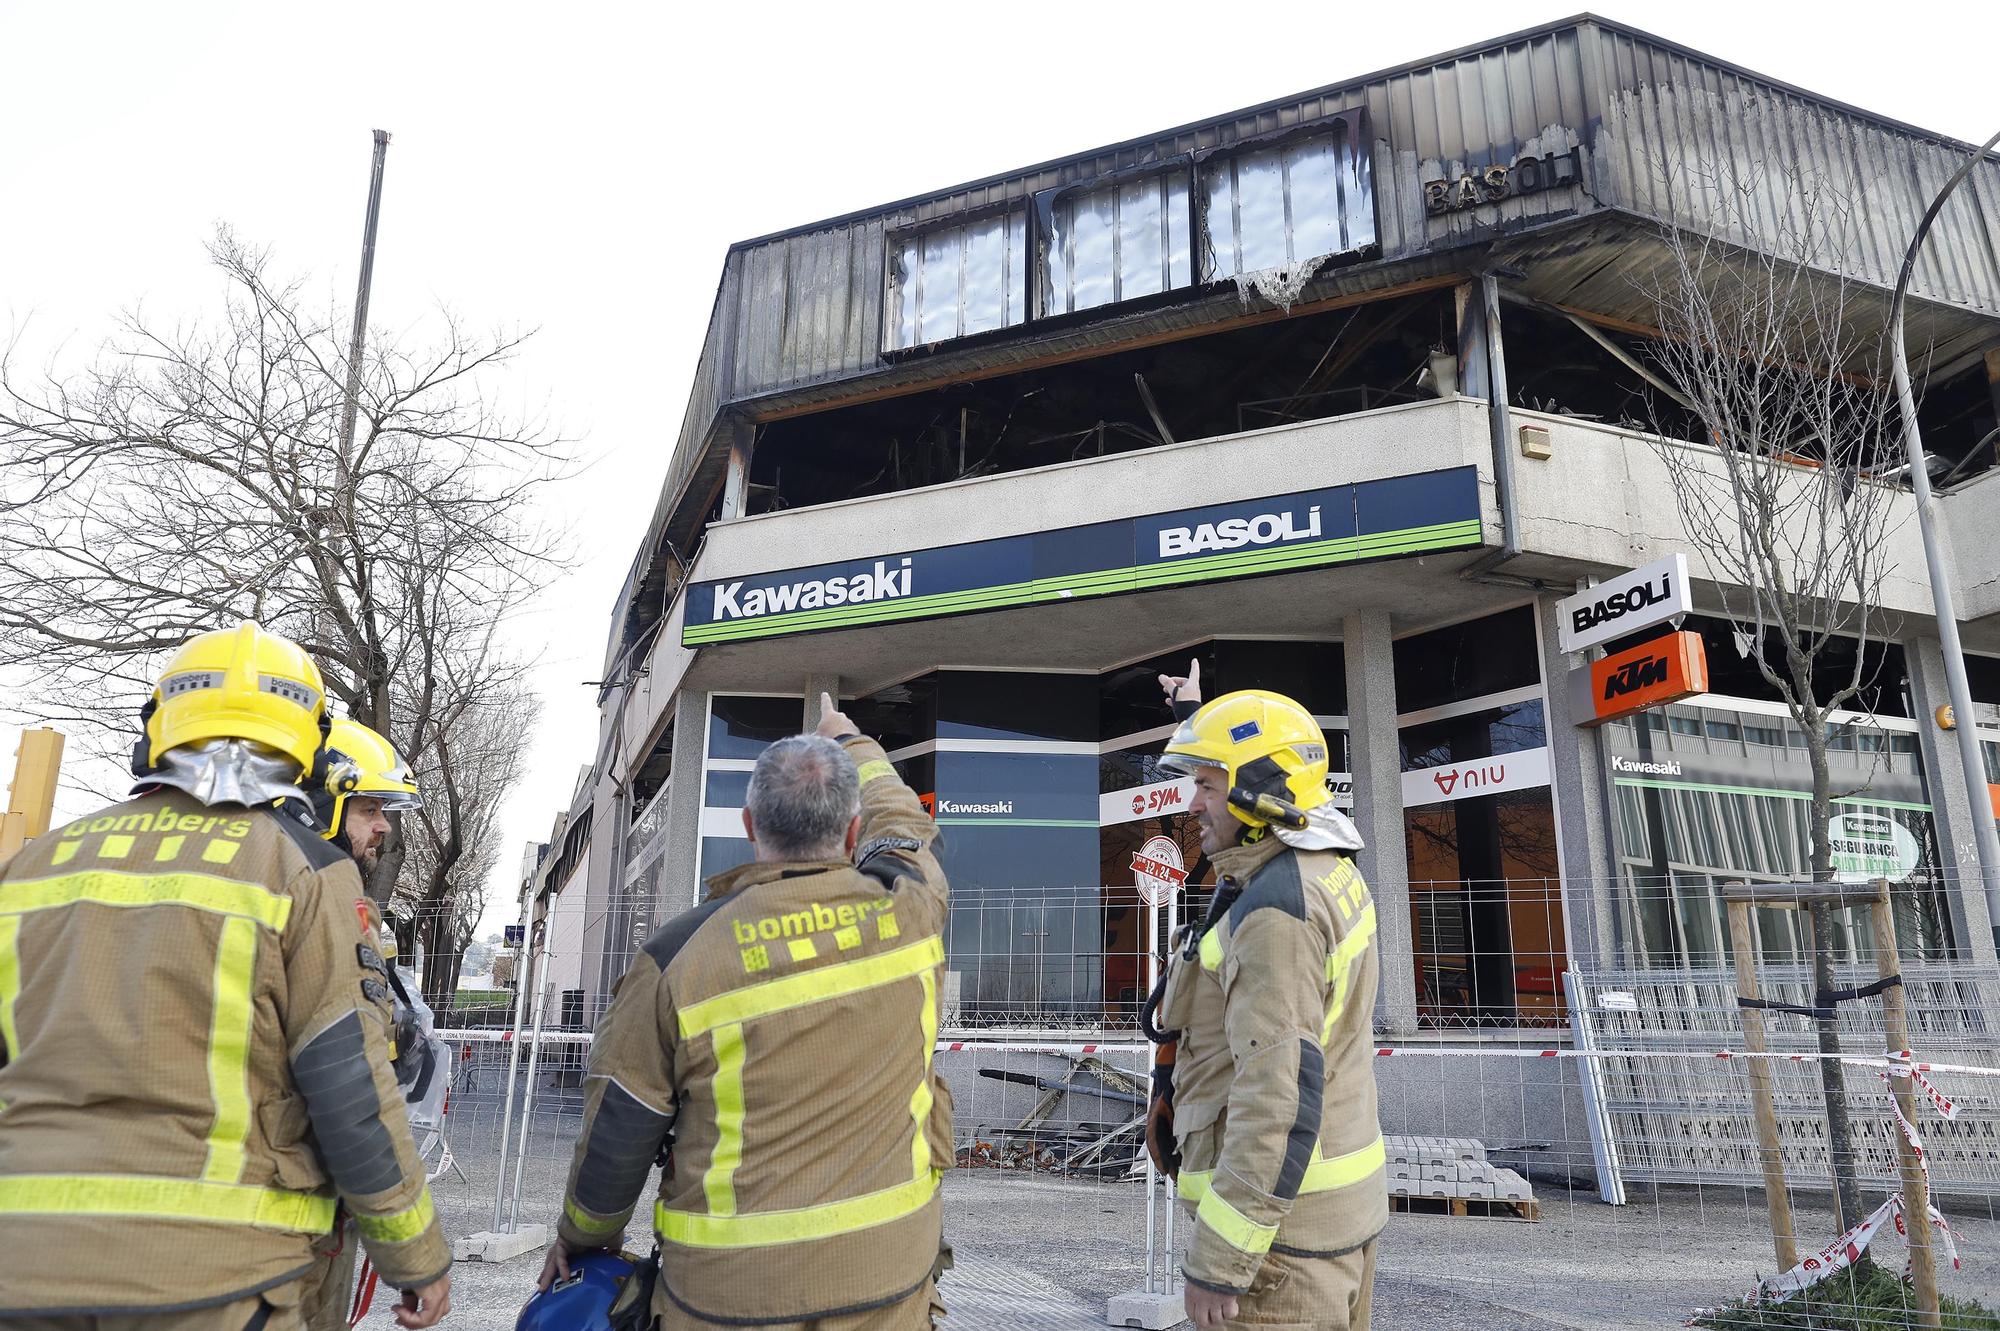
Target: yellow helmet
pixel 240 683
pixel 1263 743
pixel 359 761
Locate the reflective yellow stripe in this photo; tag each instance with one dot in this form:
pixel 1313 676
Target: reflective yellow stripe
pixel 1211 948
pixel 1344 1170
pixel 718 1184
pixel 1340 966
pixel 846 977
pixel 164 1199
pixel 229 1050
pixel 1232 1226
pixel 10 983
pixel 103 887
pixel 1321 1175
pixel 581 1219
pixel 765 1228
pixel 920 1099
pixel 874 770
pixel 400 1226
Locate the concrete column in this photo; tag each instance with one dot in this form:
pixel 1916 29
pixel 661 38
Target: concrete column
pixel 1944 777
pixel 679 887
pixel 816 685
pixel 1583 817
pixel 1378 809
pixel 602 963
pixel 741 435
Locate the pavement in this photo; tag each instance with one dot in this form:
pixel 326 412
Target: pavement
pixel 1037 1251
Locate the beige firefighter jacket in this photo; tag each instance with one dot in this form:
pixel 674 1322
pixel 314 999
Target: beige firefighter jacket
pixel 193 1064
pixel 1274 1079
pixel 778 1037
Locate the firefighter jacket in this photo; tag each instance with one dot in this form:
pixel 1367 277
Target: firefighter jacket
pixel 193 1065
pixel 1274 1079
pixel 779 1037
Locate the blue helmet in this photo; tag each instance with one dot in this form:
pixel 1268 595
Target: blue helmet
pixel 581 1303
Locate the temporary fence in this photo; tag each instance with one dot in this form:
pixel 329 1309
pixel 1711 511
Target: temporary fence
pixel 1505 1139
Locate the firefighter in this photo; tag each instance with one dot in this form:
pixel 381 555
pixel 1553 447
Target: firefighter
pixel 1272 998
pixel 193 1032
pixel 778 1039
pixel 366 780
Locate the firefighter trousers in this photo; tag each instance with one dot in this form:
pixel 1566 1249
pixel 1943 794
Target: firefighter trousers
pixel 919 1312
pixel 329 1288
pixel 273 1310
pixel 1310 1293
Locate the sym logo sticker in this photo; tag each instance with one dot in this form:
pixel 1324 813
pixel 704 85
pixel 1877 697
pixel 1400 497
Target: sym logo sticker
pixel 1481 776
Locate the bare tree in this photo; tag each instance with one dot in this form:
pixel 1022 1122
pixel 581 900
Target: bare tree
pixel 1774 355
pixel 196 473
pixel 472 758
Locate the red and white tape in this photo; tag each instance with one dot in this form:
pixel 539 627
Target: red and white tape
pixel 1889 1064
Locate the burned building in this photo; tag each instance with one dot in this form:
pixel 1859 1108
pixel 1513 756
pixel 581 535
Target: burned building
pixel 1340 394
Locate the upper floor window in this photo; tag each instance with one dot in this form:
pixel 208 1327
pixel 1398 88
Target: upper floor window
pixel 1117 241
pixel 1296 198
pixel 957 280
pixel 1304 197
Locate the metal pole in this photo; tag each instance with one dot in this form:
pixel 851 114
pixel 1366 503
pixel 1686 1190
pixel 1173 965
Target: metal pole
pixel 514 1051
pixel 1152 1174
pixel 528 1099
pixel 1984 835
pixel 354 346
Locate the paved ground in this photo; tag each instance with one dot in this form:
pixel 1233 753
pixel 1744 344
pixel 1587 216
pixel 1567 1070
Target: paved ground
pixel 1041 1252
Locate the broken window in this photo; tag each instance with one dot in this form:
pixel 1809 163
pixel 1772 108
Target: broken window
pixel 954 281
pixel 1117 241
pixel 1277 205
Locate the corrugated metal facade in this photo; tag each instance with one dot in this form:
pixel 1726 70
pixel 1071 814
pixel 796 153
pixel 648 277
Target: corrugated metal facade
pixel 1659 133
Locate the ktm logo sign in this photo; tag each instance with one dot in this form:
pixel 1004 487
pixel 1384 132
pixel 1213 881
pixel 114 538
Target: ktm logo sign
pixel 1652 673
pixel 1633 676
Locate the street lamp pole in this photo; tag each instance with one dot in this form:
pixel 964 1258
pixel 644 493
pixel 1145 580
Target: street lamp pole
pixel 1984 835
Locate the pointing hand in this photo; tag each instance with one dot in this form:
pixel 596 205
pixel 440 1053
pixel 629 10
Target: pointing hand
pixel 1183 688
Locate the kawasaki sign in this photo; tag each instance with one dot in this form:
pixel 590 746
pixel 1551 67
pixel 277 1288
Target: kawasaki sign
pixel 1404 515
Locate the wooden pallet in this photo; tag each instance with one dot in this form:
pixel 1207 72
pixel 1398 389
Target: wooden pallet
pixel 1497 1208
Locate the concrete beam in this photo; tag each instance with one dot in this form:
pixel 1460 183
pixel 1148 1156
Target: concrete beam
pixel 1378 809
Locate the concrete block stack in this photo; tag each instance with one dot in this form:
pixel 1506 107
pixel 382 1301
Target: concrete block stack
pixel 1453 1170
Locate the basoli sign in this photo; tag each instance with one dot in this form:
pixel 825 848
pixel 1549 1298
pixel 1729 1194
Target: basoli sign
pixel 1624 604
pixel 1341 524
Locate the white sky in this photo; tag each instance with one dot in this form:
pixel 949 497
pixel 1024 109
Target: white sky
pixel 581 169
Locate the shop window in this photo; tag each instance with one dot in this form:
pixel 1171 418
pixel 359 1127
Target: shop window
pixel 726 790
pixel 1008 706
pixel 1486 911
pixel 721 854
pixel 1117 241
pixel 1492 655
pixel 956 280
pixel 1694 814
pixel 1279 204
pixel 741 726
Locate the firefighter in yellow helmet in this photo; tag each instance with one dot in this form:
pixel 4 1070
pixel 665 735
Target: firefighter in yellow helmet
pixel 779 1037
pixel 1269 1003
pixel 193 1032
pixel 365 781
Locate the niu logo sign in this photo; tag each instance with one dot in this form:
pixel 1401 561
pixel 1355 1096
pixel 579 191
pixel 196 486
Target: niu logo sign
pixel 1656 672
